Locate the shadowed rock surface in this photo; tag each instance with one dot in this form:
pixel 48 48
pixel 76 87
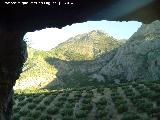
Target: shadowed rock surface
pixel 12 56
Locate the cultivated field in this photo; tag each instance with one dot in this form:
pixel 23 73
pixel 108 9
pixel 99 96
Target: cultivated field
pixel 136 101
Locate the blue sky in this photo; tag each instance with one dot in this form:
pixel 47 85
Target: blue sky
pixel 48 38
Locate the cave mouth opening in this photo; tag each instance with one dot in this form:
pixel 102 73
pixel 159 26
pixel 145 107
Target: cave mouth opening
pixel 44 64
pixel 46 44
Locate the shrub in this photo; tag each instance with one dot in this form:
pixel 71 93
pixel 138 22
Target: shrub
pixel 115 98
pixel 16 116
pixel 27 118
pixel 157 115
pixel 16 109
pixel 15 96
pixel 52 97
pixel 52 110
pixel 134 84
pixel 122 108
pixel 63 98
pixel 71 100
pixel 31 105
pixel 158 102
pixel 59 104
pixel 20 98
pixel 102 101
pixel 156 87
pixel 67 112
pixel 37 100
pixel 41 107
pixel 144 106
pixel 135 98
pixel 154 96
pixel 65 94
pixel 100 90
pixel 86 100
pixel 146 93
pixel 100 107
pixel 29 99
pixel 47 101
pixel 36 114
pixel 22 103
pixel 81 114
pixel 130 116
pixel 155 110
pixel 36 95
pixel 69 105
pixel 120 101
pixel 88 95
pixel 103 118
pixel 23 112
pixel 129 92
pixel 101 114
pixel 45 117
pixel 86 106
pixel 139 87
pixel 77 94
pixel 67 117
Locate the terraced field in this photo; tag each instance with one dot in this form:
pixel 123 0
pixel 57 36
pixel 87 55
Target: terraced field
pixel 136 101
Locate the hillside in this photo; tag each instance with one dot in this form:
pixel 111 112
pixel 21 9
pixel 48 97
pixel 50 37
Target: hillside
pixel 67 58
pixel 87 46
pixel 95 58
pixel 137 59
pixel 131 101
pixel 34 73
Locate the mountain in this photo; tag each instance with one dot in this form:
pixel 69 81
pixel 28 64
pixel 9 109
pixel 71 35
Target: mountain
pixel 87 46
pixel 138 58
pixel 95 57
pixel 79 54
pixel 135 60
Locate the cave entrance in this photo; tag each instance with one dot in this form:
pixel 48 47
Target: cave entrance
pixel 32 101
pixel 80 42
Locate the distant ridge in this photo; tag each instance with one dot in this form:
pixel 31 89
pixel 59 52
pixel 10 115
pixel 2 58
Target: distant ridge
pixel 44 67
pixel 86 46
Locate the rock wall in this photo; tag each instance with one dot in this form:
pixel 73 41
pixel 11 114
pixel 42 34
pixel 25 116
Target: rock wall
pixel 12 56
pixel 139 58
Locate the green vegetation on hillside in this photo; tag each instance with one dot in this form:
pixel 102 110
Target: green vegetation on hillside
pixel 129 101
pixel 42 68
pixel 36 70
pixel 87 46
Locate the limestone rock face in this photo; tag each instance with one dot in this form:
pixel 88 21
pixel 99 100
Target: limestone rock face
pixel 139 58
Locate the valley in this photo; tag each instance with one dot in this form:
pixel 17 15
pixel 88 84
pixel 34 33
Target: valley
pixel 129 101
pixel 93 76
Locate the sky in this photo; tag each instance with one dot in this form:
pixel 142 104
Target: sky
pixel 49 38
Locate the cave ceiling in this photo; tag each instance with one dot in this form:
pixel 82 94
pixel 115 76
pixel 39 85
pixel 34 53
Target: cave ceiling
pixel 32 17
